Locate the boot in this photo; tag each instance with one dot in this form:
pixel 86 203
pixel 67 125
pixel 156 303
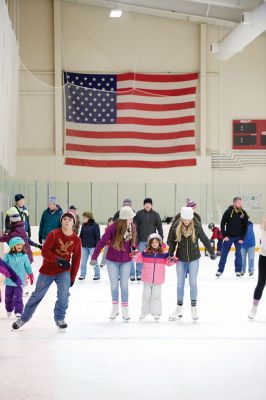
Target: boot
pixel 125 314
pixel 178 313
pixel 194 313
pixel 253 311
pixel 114 312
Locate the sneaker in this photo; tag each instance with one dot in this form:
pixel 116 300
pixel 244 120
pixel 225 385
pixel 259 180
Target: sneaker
pixel 96 278
pixel 251 273
pixel 115 311
pixel 142 316
pixel 218 274
pixel 9 314
pixel 194 313
pixel 61 324
pixel 178 313
pixel 125 314
pixel 81 278
pixel 253 311
pixel 138 277
pixel 18 315
pixel 132 278
pixel 238 274
pixel 18 324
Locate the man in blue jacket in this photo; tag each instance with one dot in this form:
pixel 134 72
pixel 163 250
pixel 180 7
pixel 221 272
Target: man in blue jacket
pixel 234 228
pixel 50 219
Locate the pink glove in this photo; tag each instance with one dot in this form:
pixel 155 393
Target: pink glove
pixel 31 279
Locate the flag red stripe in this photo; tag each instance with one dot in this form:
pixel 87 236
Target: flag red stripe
pixel 155 107
pixel 154 121
pixel 129 135
pixel 130 149
pixel 156 77
pixel 130 163
pixel 156 92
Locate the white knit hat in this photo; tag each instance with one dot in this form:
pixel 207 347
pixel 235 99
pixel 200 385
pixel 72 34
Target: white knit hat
pixel 126 212
pixel 187 213
pixel 155 236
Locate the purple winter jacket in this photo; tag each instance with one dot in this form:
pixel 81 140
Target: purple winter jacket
pixel 113 254
pixel 18 229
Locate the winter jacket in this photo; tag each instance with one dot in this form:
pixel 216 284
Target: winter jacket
pixel 234 223
pixel 176 222
pixel 249 240
pixel 120 256
pixel 6 270
pixel 18 229
pixel 216 234
pixel 77 224
pixel 90 234
pixel 153 269
pixel 24 214
pixel 50 220
pixel 147 222
pixel 20 263
pixel 187 250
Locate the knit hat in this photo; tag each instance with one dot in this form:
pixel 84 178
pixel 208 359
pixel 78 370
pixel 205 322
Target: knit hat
pixel 14 241
pixel 52 199
pixel 68 214
pixel 191 203
pixel 147 200
pixel 155 236
pixel 88 214
pixel 127 202
pixel 18 197
pixel 126 213
pixel 186 213
pixel 73 207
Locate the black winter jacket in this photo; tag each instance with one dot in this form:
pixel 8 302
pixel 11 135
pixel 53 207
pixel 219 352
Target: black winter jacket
pixel 234 223
pixel 147 222
pixel 90 234
pixel 175 223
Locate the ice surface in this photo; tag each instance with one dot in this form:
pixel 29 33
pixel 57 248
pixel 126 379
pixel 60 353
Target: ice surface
pixel 221 356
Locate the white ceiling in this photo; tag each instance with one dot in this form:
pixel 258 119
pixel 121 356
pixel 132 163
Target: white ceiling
pixel 227 12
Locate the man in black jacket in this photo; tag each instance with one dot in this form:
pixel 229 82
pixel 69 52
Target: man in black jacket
pixel 234 225
pixel 147 221
pixel 19 208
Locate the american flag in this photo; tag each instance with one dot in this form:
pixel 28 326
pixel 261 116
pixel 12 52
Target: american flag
pixel 130 120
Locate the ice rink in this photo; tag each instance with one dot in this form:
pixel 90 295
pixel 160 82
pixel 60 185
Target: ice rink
pixel 221 356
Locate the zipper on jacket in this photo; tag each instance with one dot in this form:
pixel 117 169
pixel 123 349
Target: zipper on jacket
pixel 187 250
pixel 154 267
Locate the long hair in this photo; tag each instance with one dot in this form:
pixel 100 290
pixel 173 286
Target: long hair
pixel 14 251
pixel 121 227
pixel 179 230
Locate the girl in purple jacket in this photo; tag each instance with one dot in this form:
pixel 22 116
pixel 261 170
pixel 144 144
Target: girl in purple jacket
pixel 153 275
pixel 121 239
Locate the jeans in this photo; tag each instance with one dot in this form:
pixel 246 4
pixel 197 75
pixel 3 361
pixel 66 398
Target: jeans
pixel 227 244
pixel 132 269
pixel 42 285
pixel 250 252
pixel 182 267
pixel 85 253
pixel 13 299
pixel 141 246
pixel 118 270
pixel 151 299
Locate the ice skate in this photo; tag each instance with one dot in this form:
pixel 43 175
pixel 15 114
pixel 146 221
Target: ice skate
pixel 142 316
pixel 253 311
pixel 61 325
pixel 18 324
pixel 178 313
pixel 156 317
pixel 251 273
pixel 9 314
pixel 18 315
pixel 114 312
pixel 238 274
pixel 125 314
pixel 194 313
pixel 132 278
pixel 218 274
pixel 138 277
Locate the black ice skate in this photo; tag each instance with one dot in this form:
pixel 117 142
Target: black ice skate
pixel 18 324
pixel 62 325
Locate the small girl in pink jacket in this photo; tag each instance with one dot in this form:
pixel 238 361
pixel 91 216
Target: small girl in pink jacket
pixel 153 275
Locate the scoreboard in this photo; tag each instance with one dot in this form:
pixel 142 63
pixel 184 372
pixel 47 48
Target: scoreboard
pixel 249 134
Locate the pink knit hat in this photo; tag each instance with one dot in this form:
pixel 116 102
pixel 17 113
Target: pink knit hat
pixel 191 203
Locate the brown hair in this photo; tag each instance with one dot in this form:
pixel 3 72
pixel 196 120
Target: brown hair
pixel 14 251
pixel 151 249
pixel 121 227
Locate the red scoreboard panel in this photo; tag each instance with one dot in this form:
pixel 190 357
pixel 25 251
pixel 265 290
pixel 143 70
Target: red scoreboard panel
pixel 249 134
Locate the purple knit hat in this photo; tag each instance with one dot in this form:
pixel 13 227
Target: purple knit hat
pixel 191 203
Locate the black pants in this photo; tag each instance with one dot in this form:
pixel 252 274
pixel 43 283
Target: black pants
pixel 262 278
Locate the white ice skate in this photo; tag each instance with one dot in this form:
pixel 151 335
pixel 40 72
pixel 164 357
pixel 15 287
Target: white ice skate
pixel 156 317
pixel 178 313
pixel 125 314
pixel 114 312
pixel 142 316
pixel 194 313
pixel 18 315
pixel 253 311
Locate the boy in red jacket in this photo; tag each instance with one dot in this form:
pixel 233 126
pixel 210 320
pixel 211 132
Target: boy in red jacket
pixel 61 246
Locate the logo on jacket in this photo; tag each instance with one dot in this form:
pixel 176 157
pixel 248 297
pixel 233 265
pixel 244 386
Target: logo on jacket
pixel 64 248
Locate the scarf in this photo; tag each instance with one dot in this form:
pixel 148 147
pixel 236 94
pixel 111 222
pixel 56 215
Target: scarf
pixel 128 234
pixel 187 231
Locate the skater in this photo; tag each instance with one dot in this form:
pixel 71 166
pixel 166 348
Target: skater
pixel 8 272
pixel 262 272
pixel 90 236
pixel 18 208
pixel 186 237
pixel 248 249
pixel 233 227
pixel 147 221
pixel 50 219
pixel 216 235
pixel 110 221
pixel 121 239
pixel 73 210
pixel 153 275
pixel 61 257
pixel 19 261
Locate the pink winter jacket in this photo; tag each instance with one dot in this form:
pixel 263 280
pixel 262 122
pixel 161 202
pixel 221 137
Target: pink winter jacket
pixel 153 269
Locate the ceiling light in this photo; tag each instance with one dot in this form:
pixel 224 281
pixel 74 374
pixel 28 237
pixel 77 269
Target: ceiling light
pixel 115 13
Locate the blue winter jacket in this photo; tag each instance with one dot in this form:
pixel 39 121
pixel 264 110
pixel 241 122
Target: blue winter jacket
pixel 50 220
pixel 20 263
pixel 249 240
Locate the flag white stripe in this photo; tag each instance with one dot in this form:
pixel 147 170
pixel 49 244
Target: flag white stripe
pixel 129 98
pixel 118 156
pixel 156 114
pixel 155 85
pixel 130 127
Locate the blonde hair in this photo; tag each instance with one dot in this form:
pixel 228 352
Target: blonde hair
pixel 263 223
pixel 180 228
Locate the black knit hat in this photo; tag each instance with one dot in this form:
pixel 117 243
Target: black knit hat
pixel 147 200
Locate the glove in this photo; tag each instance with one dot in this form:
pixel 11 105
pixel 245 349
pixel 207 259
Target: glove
pixel 134 252
pixel 31 278
pixel 72 283
pixel 213 257
pixel 40 239
pixel 171 259
pixel 63 263
pixel 39 246
pixel 93 262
